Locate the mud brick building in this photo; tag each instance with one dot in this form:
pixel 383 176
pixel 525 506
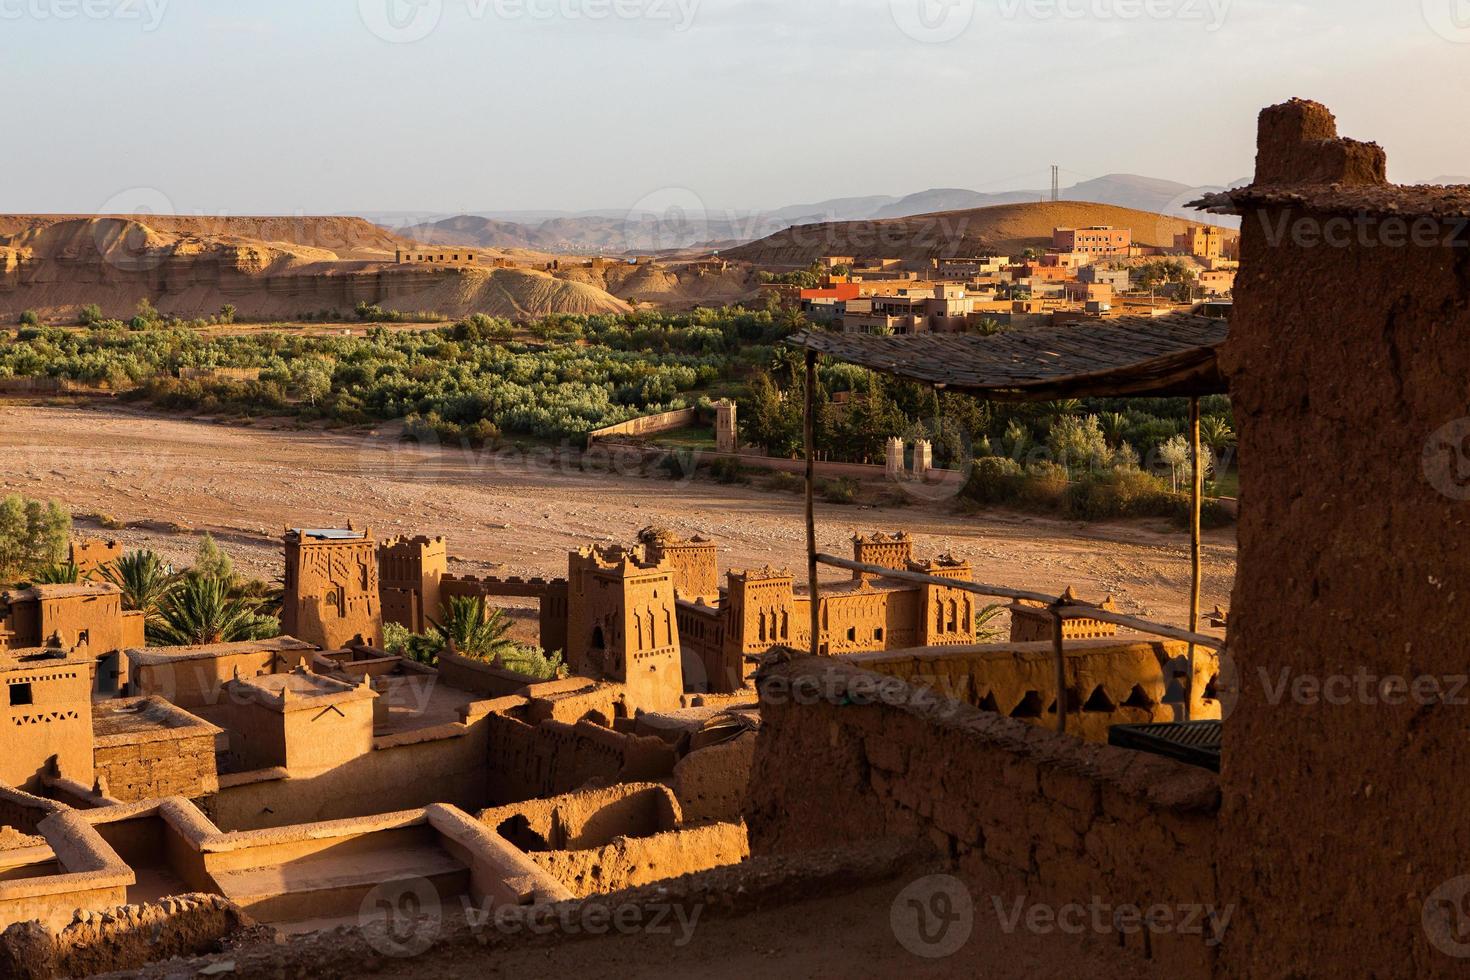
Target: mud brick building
pixel 331 596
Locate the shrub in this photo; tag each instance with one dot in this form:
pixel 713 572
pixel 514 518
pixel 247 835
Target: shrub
pixel 30 318
pixel 1108 494
pixel 728 471
pixel 840 491
pixel 1044 485
pixel 91 313
pixel 994 480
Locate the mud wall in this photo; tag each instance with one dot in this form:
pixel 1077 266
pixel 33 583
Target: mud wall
pixel 552 757
pixel 846 756
pixel 1346 364
pixel 123 938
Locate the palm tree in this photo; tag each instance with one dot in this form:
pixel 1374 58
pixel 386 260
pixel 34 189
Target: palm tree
pixel 145 580
pixel 203 610
pixel 1115 427
pixel 474 630
pixel 1215 432
pixel 63 574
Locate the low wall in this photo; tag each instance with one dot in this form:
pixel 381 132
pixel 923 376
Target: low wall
pixel 379 781
pixel 633 861
pixel 173 758
pixel 1025 814
pixel 122 938
pixel 646 426
pixel 1126 680
pixel 825 469
pixel 549 758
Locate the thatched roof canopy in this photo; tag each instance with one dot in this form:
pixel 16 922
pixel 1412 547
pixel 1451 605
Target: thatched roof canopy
pixel 1126 356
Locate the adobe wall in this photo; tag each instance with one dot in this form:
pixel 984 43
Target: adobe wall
pixel 450 759
pixel 126 937
pixel 152 765
pixel 845 756
pixel 550 593
pixel 646 426
pixel 1346 362
pixel 632 861
pixel 1123 681
pixel 711 783
pixel 552 757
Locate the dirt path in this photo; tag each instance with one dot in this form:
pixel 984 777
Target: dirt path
pixel 168 479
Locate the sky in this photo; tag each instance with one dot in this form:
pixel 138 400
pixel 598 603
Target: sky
pixel 347 106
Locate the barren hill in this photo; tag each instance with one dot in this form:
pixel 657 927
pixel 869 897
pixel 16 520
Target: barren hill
pixel 194 266
pixel 1004 229
pixel 347 238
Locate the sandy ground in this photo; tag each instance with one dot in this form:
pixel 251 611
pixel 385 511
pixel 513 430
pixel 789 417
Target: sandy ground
pixel 168 480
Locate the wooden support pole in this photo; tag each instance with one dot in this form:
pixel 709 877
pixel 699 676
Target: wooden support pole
pixel 1058 628
pixel 1196 501
pixel 809 426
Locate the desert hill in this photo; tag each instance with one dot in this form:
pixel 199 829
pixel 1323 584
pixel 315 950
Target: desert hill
pixel 1004 229
pixel 347 238
pixel 193 266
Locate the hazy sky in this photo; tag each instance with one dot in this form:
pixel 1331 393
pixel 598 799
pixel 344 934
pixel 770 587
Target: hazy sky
pixel 324 106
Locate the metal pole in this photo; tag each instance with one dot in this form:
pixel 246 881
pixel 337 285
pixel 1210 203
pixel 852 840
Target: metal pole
pixel 809 426
pixel 1197 493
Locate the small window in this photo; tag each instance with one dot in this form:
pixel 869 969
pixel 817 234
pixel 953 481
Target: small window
pixel 20 694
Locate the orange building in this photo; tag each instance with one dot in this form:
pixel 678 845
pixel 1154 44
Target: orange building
pixel 1094 240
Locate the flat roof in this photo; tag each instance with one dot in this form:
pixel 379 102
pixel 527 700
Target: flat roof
pixel 209 651
pixel 1123 356
pixel 330 533
pixel 63 591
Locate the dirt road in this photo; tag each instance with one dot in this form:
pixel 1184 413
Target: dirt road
pixel 167 480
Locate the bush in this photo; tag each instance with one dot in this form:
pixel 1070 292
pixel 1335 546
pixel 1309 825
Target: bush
pixel 994 480
pixel 840 491
pixel 1108 494
pixel 30 318
pixel 728 471
pixel 91 313
pixel 1044 486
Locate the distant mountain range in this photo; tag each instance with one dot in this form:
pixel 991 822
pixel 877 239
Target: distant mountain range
pixel 680 229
